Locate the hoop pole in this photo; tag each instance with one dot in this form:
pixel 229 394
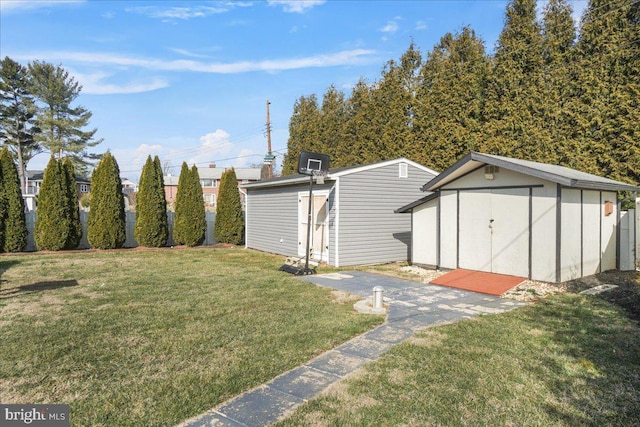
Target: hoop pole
pixel 309 218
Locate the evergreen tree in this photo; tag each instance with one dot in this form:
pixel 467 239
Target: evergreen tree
pixel 607 112
pixel 75 227
pixel 17 115
pixel 303 131
pixel 332 124
pixel 359 135
pixel 190 221
pixel 449 103
pixel 151 208
pixel 394 99
pixel 52 222
pixel 106 228
pixel 229 225
pixel 61 124
pixel 14 223
pixel 515 91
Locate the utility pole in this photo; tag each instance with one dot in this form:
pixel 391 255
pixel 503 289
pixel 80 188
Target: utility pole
pixel 268 159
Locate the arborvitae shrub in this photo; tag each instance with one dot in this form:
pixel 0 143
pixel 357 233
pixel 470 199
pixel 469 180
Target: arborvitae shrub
pixel 151 208
pixel 75 227
pixel 190 221
pixel 14 224
pixel 106 228
pixel 229 226
pixel 52 223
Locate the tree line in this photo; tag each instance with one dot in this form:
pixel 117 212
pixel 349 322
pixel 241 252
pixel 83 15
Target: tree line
pixel 550 92
pixel 58 225
pixel 37 115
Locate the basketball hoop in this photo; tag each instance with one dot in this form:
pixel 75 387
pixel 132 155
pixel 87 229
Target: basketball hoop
pixel 319 176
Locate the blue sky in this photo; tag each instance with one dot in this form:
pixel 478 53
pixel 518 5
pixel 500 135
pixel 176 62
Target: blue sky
pixel 188 80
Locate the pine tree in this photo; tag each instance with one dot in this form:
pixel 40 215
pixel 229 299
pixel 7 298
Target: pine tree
pixel 75 227
pixel 61 124
pixel 229 225
pixel 106 228
pixel 515 91
pixel 449 102
pixel 151 208
pixel 17 115
pixel 52 222
pixel 303 131
pixel 190 221
pixel 14 223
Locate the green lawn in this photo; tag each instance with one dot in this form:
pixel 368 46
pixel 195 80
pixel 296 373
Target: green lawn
pixel 568 361
pixel 153 337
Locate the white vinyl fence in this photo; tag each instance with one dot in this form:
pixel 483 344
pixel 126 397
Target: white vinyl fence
pixel 130 226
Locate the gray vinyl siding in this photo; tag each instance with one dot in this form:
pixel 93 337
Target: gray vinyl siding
pixel 272 214
pixel 370 231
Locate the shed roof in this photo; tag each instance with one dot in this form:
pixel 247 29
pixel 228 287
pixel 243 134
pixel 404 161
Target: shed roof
pixel 332 174
pixel 408 208
pixel 554 173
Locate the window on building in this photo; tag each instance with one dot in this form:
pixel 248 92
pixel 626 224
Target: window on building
pixel 84 188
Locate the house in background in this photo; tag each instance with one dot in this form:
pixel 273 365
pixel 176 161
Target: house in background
pixel 210 181
pixel 521 218
pixel 353 219
pixel 34 181
pixel 128 186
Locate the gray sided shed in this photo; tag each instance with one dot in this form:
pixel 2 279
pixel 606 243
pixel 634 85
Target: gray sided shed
pixel 353 215
pixel 502 215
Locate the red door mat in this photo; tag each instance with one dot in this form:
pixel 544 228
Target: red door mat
pixel 479 281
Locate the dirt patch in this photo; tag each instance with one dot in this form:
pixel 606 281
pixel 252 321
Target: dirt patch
pixel 342 297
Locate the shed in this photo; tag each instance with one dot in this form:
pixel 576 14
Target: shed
pixel 353 213
pixel 516 217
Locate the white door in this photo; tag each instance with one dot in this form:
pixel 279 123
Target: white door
pixel 494 231
pixel 319 248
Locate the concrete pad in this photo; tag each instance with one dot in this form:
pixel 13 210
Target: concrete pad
pixel 337 363
pixel 259 407
pixel 303 382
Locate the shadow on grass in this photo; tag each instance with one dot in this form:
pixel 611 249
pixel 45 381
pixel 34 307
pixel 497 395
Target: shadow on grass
pixel 36 287
pixel 4 266
pixel 600 384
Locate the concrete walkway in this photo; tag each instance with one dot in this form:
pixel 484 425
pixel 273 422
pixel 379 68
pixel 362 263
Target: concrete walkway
pixel 412 306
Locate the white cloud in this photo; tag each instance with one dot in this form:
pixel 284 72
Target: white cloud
pixel 18 5
pixel 390 27
pixel 245 159
pixel 347 57
pixel 296 6
pixel 183 13
pixel 95 84
pixel 421 26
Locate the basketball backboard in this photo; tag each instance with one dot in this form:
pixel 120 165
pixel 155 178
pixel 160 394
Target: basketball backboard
pixel 309 162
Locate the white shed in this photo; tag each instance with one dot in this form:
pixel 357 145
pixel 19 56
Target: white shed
pixel 353 220
pixel 503 215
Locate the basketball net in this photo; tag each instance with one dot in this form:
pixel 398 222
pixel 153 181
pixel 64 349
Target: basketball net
pixel 319 176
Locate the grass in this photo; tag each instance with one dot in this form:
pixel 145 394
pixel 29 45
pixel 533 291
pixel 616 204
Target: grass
pixel 570 360
pixel 154 337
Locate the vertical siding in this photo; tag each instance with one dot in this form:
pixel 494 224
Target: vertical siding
pixel 543 233
pixel 424 243
pixel 370 232
pixel 570 252
pixel 609 232
pixel 448 229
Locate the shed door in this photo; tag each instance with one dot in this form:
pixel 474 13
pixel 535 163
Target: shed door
pixel 494 231
pixel 319 247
